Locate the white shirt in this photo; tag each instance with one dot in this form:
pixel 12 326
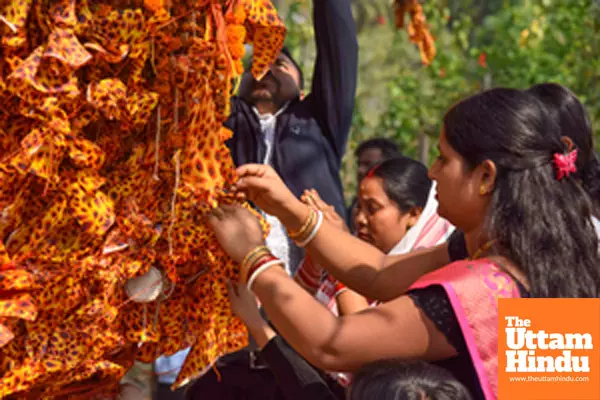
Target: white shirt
pixel 168 367
pixel 277 241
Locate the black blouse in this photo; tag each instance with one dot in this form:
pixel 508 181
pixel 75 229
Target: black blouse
pixel 299 380
pixel 296 378
pixel 434 302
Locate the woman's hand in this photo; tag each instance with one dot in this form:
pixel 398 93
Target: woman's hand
pixel 311 197
pixel 264 187
pixel 245 306
pixel 237 230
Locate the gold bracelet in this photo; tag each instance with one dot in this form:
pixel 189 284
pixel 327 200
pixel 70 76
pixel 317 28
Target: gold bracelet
pixel 252 252
pixel 257 264
pixel 250 259
pixel 305 227
pixel 309 229
pixel 248 267
pixel 255 257
pixel 314 229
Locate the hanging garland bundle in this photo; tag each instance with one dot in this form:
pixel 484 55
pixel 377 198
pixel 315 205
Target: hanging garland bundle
pixel 111 153
pixel 418 31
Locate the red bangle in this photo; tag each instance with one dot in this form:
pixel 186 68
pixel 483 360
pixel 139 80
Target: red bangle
pixel 309 267
pixel 262 261
pixel 339 287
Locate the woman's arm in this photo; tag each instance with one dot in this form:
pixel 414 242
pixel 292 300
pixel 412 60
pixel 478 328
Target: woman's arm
pixel 244 305
pixel 296 377
pixel 365 269
pixel 350 302
pixel 397 329
pixel 359 265
pixel 347 301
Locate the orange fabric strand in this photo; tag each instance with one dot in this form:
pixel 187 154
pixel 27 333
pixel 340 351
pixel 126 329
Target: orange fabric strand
pixel 418 32
pixel 112 150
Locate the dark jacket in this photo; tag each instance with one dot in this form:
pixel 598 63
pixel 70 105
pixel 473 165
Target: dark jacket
pixel 312 133
pixel 283 375
pixel 296 378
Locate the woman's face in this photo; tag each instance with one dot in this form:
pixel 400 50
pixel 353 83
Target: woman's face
pixel 378 220
pixel 460 195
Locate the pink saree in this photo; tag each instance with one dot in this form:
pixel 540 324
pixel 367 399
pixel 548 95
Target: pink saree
pixel 474 288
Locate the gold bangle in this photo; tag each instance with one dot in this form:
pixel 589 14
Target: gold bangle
pixel 247 267
pixel 253 252
pixel 302 230
pixel 305 227
pixel 251 258
pixel 314 229
pixel 309 229
pixel 247 273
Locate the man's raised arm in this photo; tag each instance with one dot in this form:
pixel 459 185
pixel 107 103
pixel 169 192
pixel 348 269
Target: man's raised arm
pixel 336 69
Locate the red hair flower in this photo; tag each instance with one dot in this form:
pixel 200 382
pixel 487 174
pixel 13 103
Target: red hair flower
pixel 565 164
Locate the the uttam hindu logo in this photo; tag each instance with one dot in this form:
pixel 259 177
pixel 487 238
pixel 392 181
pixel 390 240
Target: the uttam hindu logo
pixel 523 342
pixel 548 349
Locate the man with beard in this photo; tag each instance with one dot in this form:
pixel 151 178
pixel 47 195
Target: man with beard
pixel 304 139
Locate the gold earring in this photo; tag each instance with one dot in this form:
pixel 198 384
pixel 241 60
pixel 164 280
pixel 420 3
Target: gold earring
pixel 482 190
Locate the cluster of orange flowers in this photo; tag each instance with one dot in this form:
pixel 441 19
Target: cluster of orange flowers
pixel 417 28
pixel 111 152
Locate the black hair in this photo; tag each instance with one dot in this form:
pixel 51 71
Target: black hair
pixel 397 380
pixel 285 51
pixel 570 115
pixel 540 223
pixel 405 182
pixel 387 147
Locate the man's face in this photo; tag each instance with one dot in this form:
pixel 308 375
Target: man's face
pixel 366 159
pixel 280 85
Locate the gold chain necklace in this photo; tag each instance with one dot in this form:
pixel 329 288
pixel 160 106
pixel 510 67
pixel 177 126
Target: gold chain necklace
pixel 486 246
